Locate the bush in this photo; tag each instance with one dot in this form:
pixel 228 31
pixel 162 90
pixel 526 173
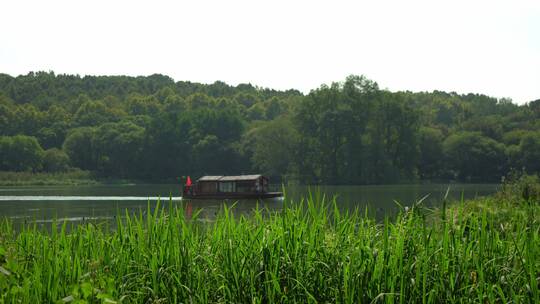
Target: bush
pixel 519 187
pixel 55 160
pixel 20 153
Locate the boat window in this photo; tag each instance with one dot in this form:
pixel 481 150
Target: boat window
pixel 245 186
pixel 207 187
pixel 226 187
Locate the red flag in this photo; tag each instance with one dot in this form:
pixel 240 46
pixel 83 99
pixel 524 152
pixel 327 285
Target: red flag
pixel 188 181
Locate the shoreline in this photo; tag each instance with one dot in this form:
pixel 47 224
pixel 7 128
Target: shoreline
pixel 70 178
pixel 82 178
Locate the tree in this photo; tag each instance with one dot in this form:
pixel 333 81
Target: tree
pixel 7 118
pixel 79 146
pixel 529 148
pixel 274 108
pixel 94 113
pixel 118 147
pixel 167 148
pixel 323 119
pixel 199 100
pixel 143 105
pixel 5 150
pixel 246 99
pixel 394 137
pixel 55 160
pixel 348 132
pixel 57 122
pixel 21 153
pixel 27 120
pixel 490 126
pixel 431 153
pixel 256 112
pixel 514 137
pixel 274 146
pixel 208 156
pixel 474 157
pixel 214 135
pixel 331 121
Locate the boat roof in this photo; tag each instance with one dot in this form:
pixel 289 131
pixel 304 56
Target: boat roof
pixel 210 178
pixel 214 178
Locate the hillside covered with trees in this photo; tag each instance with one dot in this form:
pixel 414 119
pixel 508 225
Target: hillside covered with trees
pixel 350 132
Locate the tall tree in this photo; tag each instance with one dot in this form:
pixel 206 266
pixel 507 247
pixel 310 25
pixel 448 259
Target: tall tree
pixel 20 153
pixel 474 157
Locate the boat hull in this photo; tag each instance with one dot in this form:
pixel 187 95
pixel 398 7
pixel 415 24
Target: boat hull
pixel 234 195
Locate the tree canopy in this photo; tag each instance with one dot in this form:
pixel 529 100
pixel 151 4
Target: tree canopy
pixel 349 132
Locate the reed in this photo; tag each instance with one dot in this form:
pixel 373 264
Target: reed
pixel 309 252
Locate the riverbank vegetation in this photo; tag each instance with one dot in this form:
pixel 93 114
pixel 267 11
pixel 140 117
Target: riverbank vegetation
pixel 308 252
pixel 71 177
pixel 350 132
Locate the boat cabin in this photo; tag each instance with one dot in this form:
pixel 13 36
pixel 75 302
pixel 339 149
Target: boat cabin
pixel 239 186
pixel 232 184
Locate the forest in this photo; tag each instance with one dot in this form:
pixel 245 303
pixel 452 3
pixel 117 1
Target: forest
pixel 350 132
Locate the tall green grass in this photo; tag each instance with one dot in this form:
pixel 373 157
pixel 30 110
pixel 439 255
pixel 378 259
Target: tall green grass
pixel 309 252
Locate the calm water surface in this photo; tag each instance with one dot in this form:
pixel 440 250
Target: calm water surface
pixel 83 203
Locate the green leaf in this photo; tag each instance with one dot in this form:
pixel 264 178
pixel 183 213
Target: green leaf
pixel 86 289
pixel 106 298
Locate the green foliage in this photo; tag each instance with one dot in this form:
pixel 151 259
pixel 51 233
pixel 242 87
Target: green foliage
pixel 331 121
pixel 27 119
pixel 246 99
pixel 256 112
pixel 20 153
pixel 6 119
pixel 519 186
pixel 476 158
pixel 274 108
pixel 513 137
pixel 272 147
pixel 489 126
pixel 529 149
pixel 199 100
pixel 79 146
pixel 349 132
pixel 118 146
pixel 143 105
pixel 94 113
pixel 393 140
pixel 309 252
pixel 431 153
pixel 71 177
pixel 55 160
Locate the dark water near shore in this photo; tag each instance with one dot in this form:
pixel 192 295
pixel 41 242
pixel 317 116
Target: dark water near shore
pixel 83 203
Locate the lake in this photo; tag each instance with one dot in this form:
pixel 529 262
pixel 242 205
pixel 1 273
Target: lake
pixel 83 203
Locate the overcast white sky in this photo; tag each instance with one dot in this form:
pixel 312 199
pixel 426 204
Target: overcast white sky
pixel 490 47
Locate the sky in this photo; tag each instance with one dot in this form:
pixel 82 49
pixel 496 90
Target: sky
pixel 489 47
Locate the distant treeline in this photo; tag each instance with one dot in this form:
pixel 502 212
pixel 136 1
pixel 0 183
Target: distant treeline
pixel 350 132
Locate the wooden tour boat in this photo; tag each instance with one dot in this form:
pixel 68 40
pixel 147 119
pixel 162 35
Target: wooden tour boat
pixel 229 187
